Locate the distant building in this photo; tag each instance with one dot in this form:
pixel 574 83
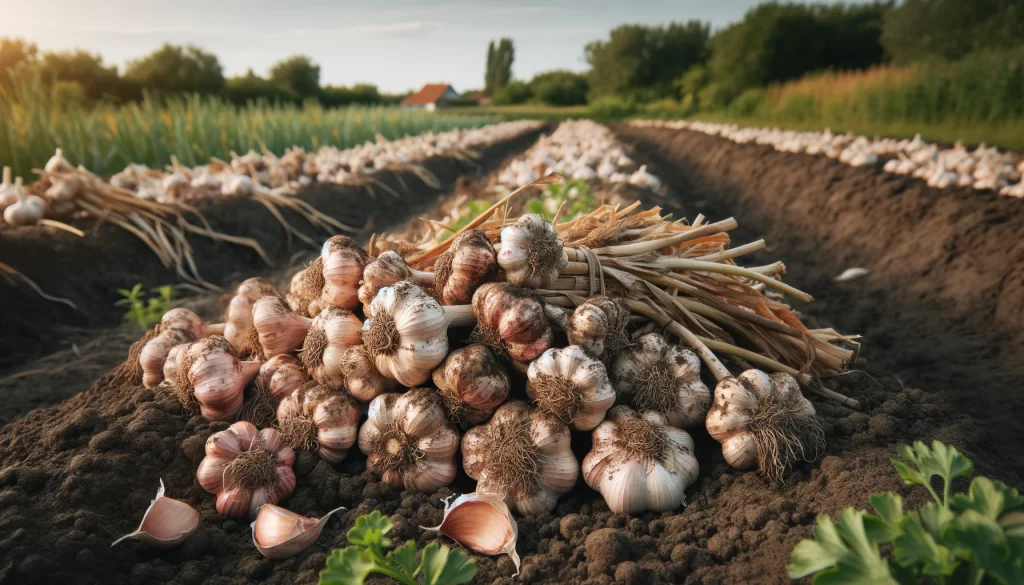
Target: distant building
pixel 479 98
pixel 430 97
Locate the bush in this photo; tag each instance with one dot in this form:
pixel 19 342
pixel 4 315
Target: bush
pixel 560 88
pixel 713 97
pixel 611 107
pixel 747 104
pixel 516 92
pixel 253 88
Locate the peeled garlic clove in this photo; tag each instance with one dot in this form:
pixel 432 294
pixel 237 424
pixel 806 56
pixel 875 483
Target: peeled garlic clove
pixel 481 522
pixel 279 533
pixel 166 523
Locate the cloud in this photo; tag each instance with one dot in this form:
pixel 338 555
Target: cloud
pixel 414 28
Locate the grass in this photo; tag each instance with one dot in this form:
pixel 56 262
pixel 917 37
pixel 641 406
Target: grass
pixel 518 112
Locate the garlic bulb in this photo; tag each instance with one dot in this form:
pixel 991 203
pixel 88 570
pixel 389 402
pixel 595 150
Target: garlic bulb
pixel 183 318
pixel 280 329
pixel 166 523
pixel 472 384
pixel 482 523
pixel 343 263
pixel 155 352
pixel 57 163
pixel 655 375
pixel 599 326
pixel 362 379
pixel 387 269
pixel 246 468
pixel 463 267
pixel 282 375
pixel 65 189
pixel 763 420
pixel 408 441
pixel 27 210
pixel 512 321
pixel 210 374
pixel 171 363
pixel 306 287
pixel 332 332
pixel 238 327
pixel 570 385
pixel 280 534
pixel 523 455
pixel 639 463
pixel 407 332
pixel 531 253
pixel 7 195
pixel 315 418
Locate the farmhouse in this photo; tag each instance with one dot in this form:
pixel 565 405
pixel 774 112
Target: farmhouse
pixel 430 97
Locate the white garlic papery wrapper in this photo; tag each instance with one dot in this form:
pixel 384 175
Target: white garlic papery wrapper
pixel 531 252
pixel 469 262
pixel 472 384
pixel 282 375
pixel 570 385
pixel 387 269
pixel 639 463
pixel 764 421
pixel 343 263
pixel 246 468
pixel 154 354
pixel 481 523
pixel 511 319
pixel 317 419
pixel 183 318
pixel 523 455
pixel 599 326
pixel 238 327
pixel 332 332
pixel 409 442
pixel 305 289
pixel 280 329
pixel 362 380
pixel 211 375
pixel 280 534
pixel 656 375
pixel 166 523
pixel 407 332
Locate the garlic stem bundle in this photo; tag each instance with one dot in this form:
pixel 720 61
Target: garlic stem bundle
pixel 211 375
pixel 408 441
pixel 280 534
pixel 280 330
pixel 462 268
pixel 332 332
pixel 155 352
pixel 482 523
pixel 639 462
pixel 27 209
pixel 598 325
pixel 406 333
pixel 523 455
pixel 472 384
pixel 315 418
pixel 343 263
pixel 387 269
pixel 183 318
pixel 166 523
pixel 531 252
pixel 570 385
pixel 238 327
pixel 282 375
pixel 305 289
pixel 511 321
pixel 246 468
pixel 362 379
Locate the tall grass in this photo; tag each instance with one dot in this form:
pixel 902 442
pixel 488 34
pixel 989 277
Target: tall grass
pixel 36 119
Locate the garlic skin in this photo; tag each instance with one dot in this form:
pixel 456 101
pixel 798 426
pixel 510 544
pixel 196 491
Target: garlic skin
pixel 407 332
pixel 171 363
pixel 210 374
pixel 387 269
pixel 599 326
pixel 763 421
pixel 238 319
pixel 280 329
pixel 155 353
pixel 655 375
pixel 166 523
pixel 280 534
pixel 362 379
pixel 332 332
pixel 246 468
pixel 511 320
pixel 570 385
pixel 522 455
pixel 305 289
pixel 408 441
pixel 482 523
pixel 531 253
pixel 343 263
pixel 282 375
pixel 315 418
pixel 472 384
pixel 463 267
pixel 639 463
pixel 183 318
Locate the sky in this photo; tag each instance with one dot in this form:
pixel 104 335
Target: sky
pixel 397 45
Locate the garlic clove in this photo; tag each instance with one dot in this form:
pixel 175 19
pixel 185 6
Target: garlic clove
pixel 279 533
pixel 481 522
pixel 234 502
pixel 166 523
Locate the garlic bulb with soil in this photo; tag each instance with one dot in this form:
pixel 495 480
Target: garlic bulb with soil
pixel 570 385
pixel 183 318
pixel 511 320
pixel 282 375
pixel 27 210
pixel 463 267
pixel 482 523
pixel 639 462
pixel 409 442
pixel 155 352
pixel 166 523
pixel 385 270
pixel 332 332
pixel 656 375
pixel 472 384
pixel 238 328
pixel 362 379
pixel 211 376
pixel 315 418
pixel 279 328
pixel 343 263
pixel 523 455
pixel 246 468
pixel 279 533
pixel 305 289
pixel 763 421
pixel 531 253
pixel 406 333
pixel 599 325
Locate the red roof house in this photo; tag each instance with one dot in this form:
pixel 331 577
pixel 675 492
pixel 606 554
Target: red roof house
pixel 430 96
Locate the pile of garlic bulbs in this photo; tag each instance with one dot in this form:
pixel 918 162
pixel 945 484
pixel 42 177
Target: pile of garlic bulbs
pixel 984 168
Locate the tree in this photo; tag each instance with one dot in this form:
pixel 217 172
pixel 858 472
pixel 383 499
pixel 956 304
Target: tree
pixel 251 87
pixel 360 93
pixel 950 29
pixel 176 69
pixel 499 65
pixel 85 69
pixel 13 52
pixel 299 74
pixel 489 70
pixel 560 88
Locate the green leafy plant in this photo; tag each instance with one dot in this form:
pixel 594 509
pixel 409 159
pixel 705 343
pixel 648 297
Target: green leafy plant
pixel 434 565
pixel 575 191
pixel 964 538
pixel 473 210
pixel 142 311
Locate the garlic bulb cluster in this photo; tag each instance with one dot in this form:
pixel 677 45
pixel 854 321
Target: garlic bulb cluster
pixel 282 375
pixel 531 252
pixel 166 523
pixel 211 375
pixel 408 442
pixel 280 534
pixel 763 421
pixel 305 289
pixel 523 455
pixel 511 320
pixel 26 209
pixel 330 334
pixel 154 354
pixel 640 463
pixel 472 384
pixel 246 468
pixel 570 385
pixel 463 267
pixel 279 328
pixel 315 418
pixel 656 375
pixel 238 327
pixel 343 262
